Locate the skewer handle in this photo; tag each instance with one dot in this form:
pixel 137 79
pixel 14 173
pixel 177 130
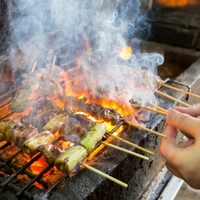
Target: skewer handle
pixel 172 98
pixel 104 175
pixel 180 90
pixel 144 128
pixel 125 150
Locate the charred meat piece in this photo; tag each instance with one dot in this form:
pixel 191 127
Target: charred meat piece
pixel 50 152
pixel 41 115
pixel 105 114
pixel 97 111
pixel 31 145
pixel 66 160
pixel 16 132
pixel 76 126
pixel 36 85
pixel 22 132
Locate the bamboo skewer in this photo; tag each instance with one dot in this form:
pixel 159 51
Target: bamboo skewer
pixel 144 128
pixel 33 66
pixel 131 144
pixel 180 90
pixel 172 98
pixel 154 110
pixel 159 108
pixel 104 175
pixel 54 60
pixel 125 150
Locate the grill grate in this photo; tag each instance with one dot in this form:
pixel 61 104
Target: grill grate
pixel 24 190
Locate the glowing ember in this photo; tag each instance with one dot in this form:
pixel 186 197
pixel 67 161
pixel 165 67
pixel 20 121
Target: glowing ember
pixel 177 3
pixel 126 52
pixel 39 165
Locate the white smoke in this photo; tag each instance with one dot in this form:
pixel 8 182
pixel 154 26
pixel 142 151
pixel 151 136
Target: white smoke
pixel 41 29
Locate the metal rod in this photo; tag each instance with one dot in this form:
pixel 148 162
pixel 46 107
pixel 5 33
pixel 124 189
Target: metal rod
pixel 34 179
pixel 10 158
pixel 20 170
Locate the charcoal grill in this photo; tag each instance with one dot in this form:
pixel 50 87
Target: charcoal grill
pixel 146 179
pixel 139 174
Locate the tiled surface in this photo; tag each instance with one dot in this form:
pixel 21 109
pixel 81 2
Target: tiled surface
pixel 188 193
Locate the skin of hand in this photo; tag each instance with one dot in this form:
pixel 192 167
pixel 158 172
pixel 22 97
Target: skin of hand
pixel 183 158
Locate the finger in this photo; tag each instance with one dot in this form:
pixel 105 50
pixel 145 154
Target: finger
pixel 185 123
pixel 168 145
pixel 193 110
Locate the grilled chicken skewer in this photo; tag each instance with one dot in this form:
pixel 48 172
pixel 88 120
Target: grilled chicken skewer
pixel 89 139
pixel 27 137
pixel 101 113
pixel 15 131
pixel 97 111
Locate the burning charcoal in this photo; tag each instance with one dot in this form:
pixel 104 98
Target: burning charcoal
pixel 56 122
pixel 50 152
pixel 31 145
pixel 76 126
pixel 69 159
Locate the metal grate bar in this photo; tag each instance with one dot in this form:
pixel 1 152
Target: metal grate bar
pixel 10 158
pixel 22 169
pixel 35 179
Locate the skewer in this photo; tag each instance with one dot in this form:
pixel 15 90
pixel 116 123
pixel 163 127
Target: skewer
pixel 172 98
pixel 125 150
pixel 180 90
pixel 154 110
pixel 159 108
pixel 131 144
pixel 33 66
pixel 144 128
pixel 54 60
pixel 104 175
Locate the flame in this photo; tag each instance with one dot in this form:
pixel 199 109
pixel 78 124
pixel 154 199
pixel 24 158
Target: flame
pixel 125 53
pixel 38 165
pixel 176 3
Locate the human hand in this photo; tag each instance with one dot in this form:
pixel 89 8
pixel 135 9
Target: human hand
pixel 183 158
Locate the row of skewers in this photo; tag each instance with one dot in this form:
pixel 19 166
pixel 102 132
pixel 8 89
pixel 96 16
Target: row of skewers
pixel 70 125
pixel 84 133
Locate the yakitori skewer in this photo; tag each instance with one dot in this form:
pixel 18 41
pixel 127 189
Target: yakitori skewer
pixel 172 98
pixel 143 128
pixel 125 150
pixel 180 90
pixel 159 108
pixel 154 110
pixel 131 144
pixel 104 174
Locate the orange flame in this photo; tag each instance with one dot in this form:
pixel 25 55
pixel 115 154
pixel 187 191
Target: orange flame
pixel 176 3
pixel 125 53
